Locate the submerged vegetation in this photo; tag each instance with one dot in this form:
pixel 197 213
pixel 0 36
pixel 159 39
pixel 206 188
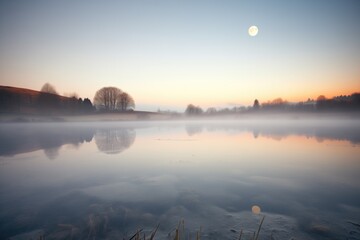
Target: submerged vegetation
pixel 178 233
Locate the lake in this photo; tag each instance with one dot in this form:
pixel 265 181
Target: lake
pixel 217 179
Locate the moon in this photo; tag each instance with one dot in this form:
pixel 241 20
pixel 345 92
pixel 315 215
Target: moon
pixel 253 31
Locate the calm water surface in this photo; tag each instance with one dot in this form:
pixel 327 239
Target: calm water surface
pixel 107 180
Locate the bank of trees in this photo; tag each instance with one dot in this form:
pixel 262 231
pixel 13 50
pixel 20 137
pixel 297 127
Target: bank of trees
pixel 45 101
pixel 105 99
pixel 113 99
pixel 342 103
pixel 49 101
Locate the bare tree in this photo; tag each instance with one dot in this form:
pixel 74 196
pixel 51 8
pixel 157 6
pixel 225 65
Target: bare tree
pixel 107 98
pixel 193 110
pixel 125 102
pixel 48 88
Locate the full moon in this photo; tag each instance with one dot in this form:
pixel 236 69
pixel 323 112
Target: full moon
pixel 253 31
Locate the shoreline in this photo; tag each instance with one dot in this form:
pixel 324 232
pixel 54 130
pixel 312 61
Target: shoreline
pixel 153 116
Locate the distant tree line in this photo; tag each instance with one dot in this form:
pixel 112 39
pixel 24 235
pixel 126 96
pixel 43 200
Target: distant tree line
pixel 342 103
pixel 112 99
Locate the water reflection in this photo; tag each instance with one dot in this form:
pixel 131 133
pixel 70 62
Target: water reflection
pixel 348 130
pixel 306 189
pixel 22 138
pixel 49 137
pixel 52 153
pixel 193 129
pixel 114 140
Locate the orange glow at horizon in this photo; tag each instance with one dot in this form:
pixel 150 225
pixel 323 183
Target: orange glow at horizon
pixel 170 56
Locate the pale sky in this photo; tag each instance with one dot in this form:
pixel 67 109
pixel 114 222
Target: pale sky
pixel 167 54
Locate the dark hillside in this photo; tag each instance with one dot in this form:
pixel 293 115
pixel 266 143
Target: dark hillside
pixel 21 100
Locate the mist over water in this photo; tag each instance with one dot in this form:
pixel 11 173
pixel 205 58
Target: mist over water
pixel 106 180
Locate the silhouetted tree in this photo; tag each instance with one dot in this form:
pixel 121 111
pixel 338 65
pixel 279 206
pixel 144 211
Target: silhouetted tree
pixel 193 110
pixel 224 111
pixel 278 104
pixel 321 98
pixel 48 88
pixel 355 101
pixel 278 101
pixel 87 105
pixel 107 98
pixel 256 105
pixel 125 102
pixel 211 110
pixel 321 102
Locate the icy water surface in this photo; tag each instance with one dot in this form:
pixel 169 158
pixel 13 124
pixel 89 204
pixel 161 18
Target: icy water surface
pixel 107 180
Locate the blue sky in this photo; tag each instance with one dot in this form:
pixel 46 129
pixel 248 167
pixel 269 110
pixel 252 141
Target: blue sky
pixel 167 54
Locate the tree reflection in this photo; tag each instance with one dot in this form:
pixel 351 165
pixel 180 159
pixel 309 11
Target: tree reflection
pixel 114 141
pixel 52 153
pixel 193 129
pixel 23 138
pixel 256 133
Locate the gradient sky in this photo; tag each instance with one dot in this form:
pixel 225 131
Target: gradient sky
pixel 167 54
